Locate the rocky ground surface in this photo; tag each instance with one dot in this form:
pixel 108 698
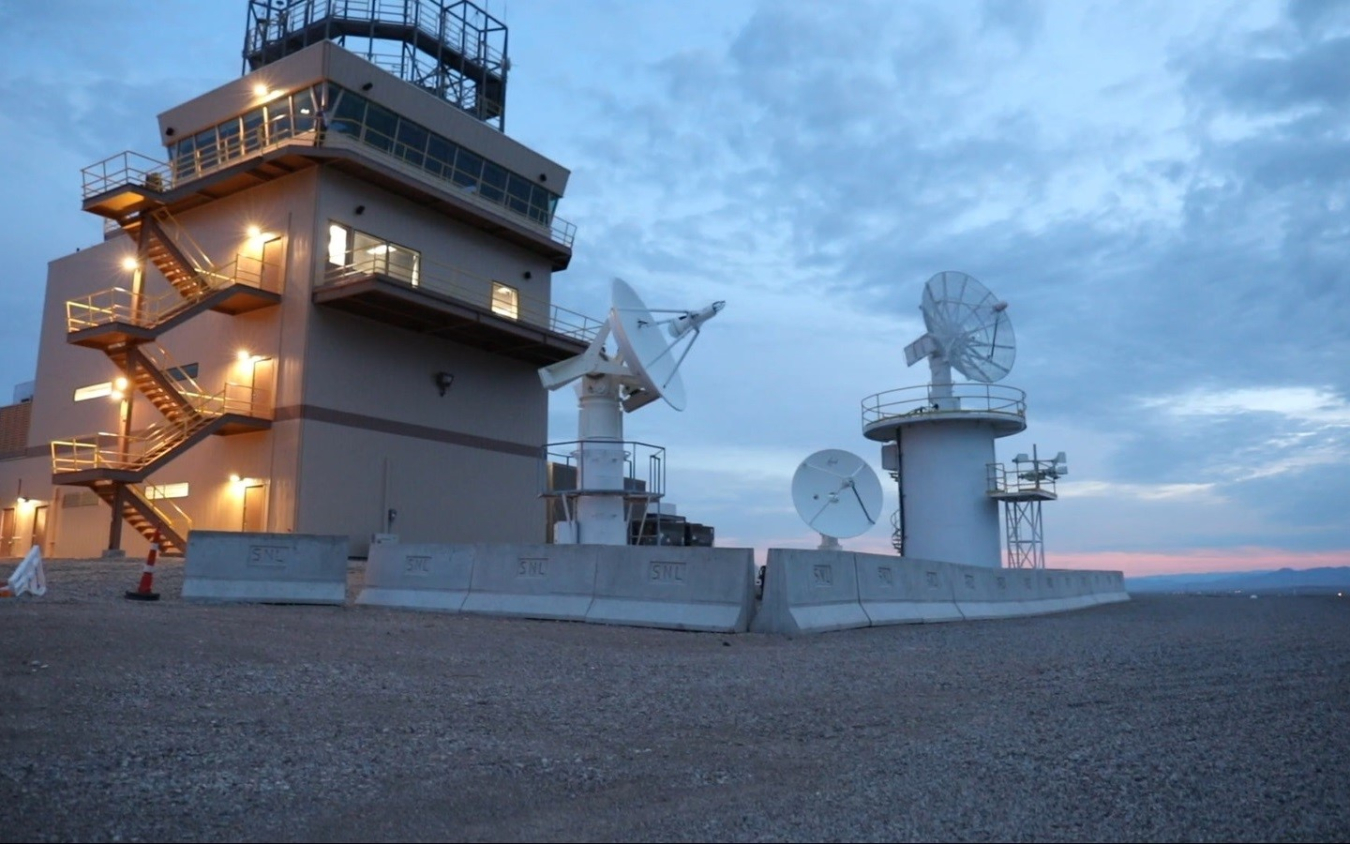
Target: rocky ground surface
pixel 1161 719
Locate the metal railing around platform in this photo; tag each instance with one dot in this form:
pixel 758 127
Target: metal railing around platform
pixel 967 397
pixel 120 305
pixel 139 449
pixel 452 281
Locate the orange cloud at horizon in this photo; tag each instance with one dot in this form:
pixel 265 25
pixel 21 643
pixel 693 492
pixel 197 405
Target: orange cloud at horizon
pixel 1199 560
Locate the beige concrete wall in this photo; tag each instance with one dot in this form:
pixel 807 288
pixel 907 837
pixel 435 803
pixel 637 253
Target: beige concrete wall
pixel 62 367
pixel 444 243
pixel 443 492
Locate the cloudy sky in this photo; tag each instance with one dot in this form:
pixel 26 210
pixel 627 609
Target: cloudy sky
pixel 1158 189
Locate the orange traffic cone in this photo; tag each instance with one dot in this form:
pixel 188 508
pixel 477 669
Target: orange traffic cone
pixel 143 592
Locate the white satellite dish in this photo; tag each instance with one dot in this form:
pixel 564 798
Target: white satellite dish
pixel 837 494
pixel 647 363
pixel 644 367
pixel 967 328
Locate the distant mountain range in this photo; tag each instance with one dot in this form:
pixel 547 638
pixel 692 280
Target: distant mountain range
pixel 1319 581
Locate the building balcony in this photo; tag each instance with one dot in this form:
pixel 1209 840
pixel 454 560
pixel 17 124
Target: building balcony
pixel 391 284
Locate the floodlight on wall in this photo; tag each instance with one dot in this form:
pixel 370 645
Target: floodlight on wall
pixel 130 264
pixel 367 86
pixel 527 275
pixel 360 209
pixel 443 381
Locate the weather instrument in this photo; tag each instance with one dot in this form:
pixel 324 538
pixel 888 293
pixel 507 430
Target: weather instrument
pixel 967 329
pixel 644 366
pixel 837 494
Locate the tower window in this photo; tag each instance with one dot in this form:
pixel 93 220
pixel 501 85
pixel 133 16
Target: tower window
pixel 505 300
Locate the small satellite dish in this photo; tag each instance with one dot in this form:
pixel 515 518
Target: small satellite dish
pixel 967 328
pixel 837 494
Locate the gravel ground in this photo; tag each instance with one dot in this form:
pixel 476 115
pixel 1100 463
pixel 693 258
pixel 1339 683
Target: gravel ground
pixel 1161 719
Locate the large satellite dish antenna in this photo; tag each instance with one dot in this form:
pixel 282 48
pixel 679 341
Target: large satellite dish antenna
pixel 967 329
pixel 647 362
pixel 644 367
pixel 837 494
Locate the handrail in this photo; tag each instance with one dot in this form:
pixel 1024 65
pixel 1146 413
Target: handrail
pixel 120 305
pixel 1022 479
pixel 172 521
pixel 138 449
pixel 458 283
pixel 965 397
pixel 126 168
pixel 134 169
pixel 635 453
pixel 201 262
pixel 398 154
pixel 160 358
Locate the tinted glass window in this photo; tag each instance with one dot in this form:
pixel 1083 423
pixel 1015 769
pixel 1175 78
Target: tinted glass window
pixel 303 103
pixel 184 164
pixel 253 134
pixel 278 121
pixel 468 168
pixel 229 140
pixel 206 148
pixel 494 181
pixel 440 155
pixel 347 114
pixel 412 142
pixel 381 123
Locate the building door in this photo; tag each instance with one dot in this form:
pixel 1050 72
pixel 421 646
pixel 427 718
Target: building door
pixel 264 380
pixel 7 532
pixel 273 265
pixel 255 508
pixel 40 528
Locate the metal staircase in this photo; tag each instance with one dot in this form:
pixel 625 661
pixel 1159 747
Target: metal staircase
pixel 125 325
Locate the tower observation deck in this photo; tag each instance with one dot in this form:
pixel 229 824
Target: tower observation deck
pixel 454 50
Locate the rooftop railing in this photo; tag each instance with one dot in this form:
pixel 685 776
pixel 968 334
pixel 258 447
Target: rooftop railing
pixel 133 170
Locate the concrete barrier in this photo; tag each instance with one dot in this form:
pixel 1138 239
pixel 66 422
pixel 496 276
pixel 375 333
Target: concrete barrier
pixel 903 590
pixel 809 592
pixel 279 568
pixel 986 593
pixel 532 581
pixel 419 577
pixel 677 588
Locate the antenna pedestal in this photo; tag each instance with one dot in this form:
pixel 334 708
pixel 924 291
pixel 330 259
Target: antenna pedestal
pixel 600 513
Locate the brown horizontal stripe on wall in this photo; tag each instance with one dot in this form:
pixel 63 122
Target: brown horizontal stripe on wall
pixel 402 429
pixel 30 451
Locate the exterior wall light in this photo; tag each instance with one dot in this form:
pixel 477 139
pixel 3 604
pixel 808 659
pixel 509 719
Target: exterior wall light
pixel 130 264
pixel 443 381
